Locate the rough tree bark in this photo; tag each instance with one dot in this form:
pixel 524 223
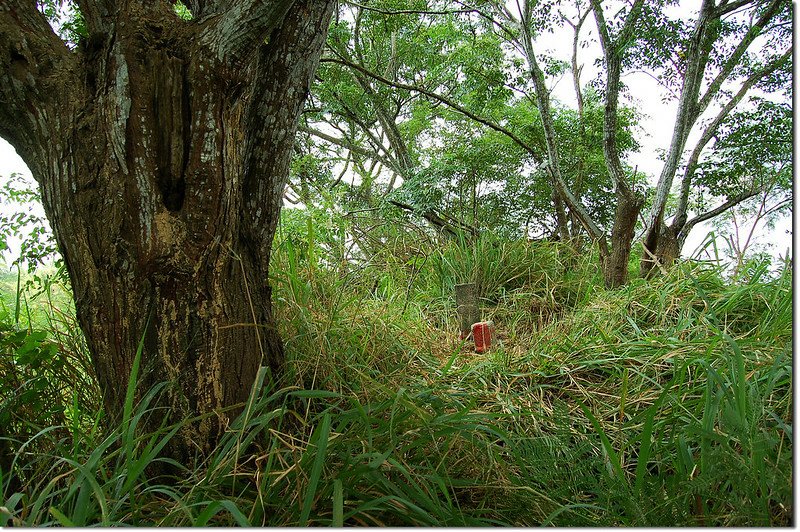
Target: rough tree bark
pixel 162 147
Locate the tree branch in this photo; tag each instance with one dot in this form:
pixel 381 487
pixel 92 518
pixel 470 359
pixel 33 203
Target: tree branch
pixel 698 51
pixel 348 114
pixel 36 78
pixel 733 59
pixel 778 206
pixel 347 145
pixel 451 104
pixel 488 17
pixel 692 104
pixel 626 33
pixel 388 123
pixel 613 52
pixel 725 8
pixel 711 129
pixel 97 15
pixel 412 11
pixel 234 35
pixel 285 68
pixel 602 26
pixel 583 215
pixel 437 221
pixel 732 202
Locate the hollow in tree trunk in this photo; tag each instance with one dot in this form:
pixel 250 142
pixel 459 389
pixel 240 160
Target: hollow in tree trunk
pixel 162 149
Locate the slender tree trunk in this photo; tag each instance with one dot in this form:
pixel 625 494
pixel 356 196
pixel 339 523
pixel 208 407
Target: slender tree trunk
pixel 562 221
pixel 698 50
pixel 629 201
pixel 562 194
pixel 615 266
pixel 162 173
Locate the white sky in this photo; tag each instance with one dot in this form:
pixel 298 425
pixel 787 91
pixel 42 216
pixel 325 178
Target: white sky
pixel 656 124
pixel 10 162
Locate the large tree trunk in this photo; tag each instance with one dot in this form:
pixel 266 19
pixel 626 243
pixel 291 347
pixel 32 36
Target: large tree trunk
pixel 162 172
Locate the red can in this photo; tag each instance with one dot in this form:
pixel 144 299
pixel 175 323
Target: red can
pixel 482 334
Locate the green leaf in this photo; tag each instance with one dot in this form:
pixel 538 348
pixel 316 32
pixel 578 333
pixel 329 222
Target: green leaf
pixel 61 518
pixel 612 456
pixel 320 438
pixel 338 504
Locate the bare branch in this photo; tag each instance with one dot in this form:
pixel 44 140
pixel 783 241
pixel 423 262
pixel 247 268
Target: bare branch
pixel 352 116
pixel 732 202
pixel 344 170
pixel 388 123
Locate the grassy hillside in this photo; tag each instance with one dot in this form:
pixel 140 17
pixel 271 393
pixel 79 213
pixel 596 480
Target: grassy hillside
pixel 667 402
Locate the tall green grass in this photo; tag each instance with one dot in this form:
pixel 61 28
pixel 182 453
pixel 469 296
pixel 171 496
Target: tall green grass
pixel 667 402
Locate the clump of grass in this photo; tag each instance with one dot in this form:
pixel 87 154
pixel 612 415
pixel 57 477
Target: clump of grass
pixel 609 387
pixel 293 458
pixel 47 384
pixel 683 409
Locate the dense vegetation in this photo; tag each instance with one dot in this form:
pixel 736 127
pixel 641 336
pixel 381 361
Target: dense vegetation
pixel 148 379
pixel 666 402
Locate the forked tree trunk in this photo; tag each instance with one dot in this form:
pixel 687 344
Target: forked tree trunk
pixel 667 250
pixel 651 243
pixel 660 239
pixel 162 150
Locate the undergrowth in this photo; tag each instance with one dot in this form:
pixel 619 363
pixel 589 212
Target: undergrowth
pixel 667 402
